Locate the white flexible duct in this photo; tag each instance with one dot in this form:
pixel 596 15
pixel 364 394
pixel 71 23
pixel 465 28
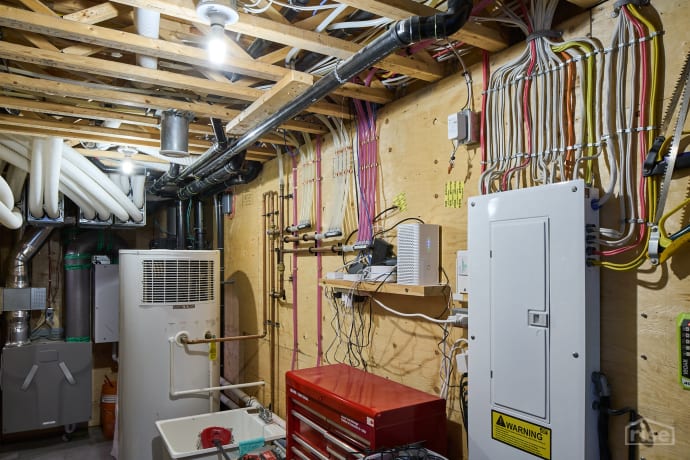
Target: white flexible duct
pixel 36 182
pixel 13 158
pixel 138 190
pixel 108 186
pixel 108 124
pixel 52 159
pixel 148 25
pixel 125 186
pixel 81 199
pixel 9 218
pixel 185 161
pixel 101 200
pixel 117 180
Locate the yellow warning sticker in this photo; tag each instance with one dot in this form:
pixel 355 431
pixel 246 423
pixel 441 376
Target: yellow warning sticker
pixel 523 435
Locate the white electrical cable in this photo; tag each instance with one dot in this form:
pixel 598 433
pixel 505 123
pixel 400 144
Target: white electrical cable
pixel 412 315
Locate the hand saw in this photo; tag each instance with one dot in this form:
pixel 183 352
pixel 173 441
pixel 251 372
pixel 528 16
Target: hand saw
pixel 658 239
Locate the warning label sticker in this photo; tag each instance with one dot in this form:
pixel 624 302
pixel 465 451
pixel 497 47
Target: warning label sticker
pixel 523 435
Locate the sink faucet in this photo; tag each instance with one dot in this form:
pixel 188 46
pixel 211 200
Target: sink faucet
pixel 265 414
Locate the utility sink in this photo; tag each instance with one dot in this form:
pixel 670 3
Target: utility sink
pixel 249 432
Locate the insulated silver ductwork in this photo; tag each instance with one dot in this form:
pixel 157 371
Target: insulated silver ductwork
pixel 215 166
pixel 18 275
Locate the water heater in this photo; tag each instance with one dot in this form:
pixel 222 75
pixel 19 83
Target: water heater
pixel 164 293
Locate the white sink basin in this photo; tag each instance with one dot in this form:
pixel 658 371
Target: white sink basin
pixel 181 435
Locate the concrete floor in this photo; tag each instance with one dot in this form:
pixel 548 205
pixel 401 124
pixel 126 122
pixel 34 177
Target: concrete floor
pixel 83 445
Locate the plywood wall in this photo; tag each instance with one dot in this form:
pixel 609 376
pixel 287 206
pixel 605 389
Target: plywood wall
pixel 638 308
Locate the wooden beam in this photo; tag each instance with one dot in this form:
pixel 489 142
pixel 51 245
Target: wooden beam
pixel 30 105
pixel 39 7
pixel 292 36
pixel 133 43
pixel 199 86
pixel 43 87
pixel 119 156
pixel 290 87
pixel 586 4
pixel 261 154
pixel 471 33
pixel 94 15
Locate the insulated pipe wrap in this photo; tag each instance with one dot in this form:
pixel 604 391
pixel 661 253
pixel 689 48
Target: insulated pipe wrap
pixel 52 160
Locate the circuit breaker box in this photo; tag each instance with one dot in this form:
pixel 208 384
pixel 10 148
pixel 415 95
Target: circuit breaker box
pixel 534 323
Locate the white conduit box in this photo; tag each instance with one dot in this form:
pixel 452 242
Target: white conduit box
pixel 534 326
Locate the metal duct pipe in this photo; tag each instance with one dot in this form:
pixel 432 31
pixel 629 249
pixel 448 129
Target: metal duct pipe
pixel 77 261
pixel 18 273
pixel 175 133
pixel 215 168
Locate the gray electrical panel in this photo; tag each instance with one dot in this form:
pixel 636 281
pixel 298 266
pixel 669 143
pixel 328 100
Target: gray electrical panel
pixel 106 303
pixel 45 384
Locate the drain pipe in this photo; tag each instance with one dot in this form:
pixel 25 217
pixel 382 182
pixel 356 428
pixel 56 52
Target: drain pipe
pixel 402 33
pixel 148 25
pixel 179 225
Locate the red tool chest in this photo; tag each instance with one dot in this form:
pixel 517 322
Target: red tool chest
pixel 341 412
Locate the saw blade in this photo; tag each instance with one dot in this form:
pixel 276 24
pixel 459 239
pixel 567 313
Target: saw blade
pixel 675 96
pixel 675 143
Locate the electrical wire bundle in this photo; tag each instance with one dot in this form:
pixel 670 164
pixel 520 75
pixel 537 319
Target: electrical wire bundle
pixel 341 162
pixel 352 325
pixel 307 178
pixel 575 110
pixel 532 107
pixel 367 167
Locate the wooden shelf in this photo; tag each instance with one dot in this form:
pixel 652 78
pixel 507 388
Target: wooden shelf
pixel 368 287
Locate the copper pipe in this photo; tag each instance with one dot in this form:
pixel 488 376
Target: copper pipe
pixel 313 250
pixel 189 341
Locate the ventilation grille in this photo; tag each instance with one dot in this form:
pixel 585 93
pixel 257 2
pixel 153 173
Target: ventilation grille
pixel 177 281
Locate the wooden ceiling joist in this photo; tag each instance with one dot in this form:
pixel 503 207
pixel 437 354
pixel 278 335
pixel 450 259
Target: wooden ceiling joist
pixel 42 86
pixel 293 36
pixel 95 36
pixel 471 33
pixel 290 87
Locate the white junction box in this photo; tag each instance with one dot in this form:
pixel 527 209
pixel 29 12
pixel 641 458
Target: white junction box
pixel 418 254
pixel 463 127
pixel 534 330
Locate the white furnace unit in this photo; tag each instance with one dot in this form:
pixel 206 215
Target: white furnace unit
pixel 163 294
pixel 534 323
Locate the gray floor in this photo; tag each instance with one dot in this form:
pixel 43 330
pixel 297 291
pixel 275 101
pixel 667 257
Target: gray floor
pixel 83 445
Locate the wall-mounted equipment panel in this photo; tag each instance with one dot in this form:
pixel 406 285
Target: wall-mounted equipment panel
pixel 534 326
pixel 106 303
pixel 45 384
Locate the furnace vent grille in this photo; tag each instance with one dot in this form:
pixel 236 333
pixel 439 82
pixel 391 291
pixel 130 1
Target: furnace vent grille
pixel 177 281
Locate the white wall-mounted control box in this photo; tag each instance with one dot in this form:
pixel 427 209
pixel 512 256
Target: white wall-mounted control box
pixel 534 329
pixel 463 127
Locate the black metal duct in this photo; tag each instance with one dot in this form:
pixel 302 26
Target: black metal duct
pixel 78 265
pixel 214 167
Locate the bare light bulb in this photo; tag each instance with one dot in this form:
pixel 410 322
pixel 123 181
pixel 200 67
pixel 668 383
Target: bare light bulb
pixel 127 166
pixel 216 46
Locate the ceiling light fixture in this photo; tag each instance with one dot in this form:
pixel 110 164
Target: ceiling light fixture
pixel 127 165
pixel 218 13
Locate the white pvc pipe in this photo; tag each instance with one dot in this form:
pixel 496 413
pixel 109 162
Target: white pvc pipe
pixel 186 161
pixel 106 184
pixel 108 124
pixel 36 179
pixel 9 218
pixel 138 190
pixel 173 392
pixel 148 25
pixel 52 159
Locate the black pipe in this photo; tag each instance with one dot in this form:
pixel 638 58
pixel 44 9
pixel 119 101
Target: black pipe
pixel 199 232
pixel 226 163
pixel 220 245
pixel 167 177
pixel 219 132
pixel 179 233
pixel 251 172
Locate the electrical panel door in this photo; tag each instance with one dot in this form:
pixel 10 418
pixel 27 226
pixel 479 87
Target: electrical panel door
pixel 533 323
